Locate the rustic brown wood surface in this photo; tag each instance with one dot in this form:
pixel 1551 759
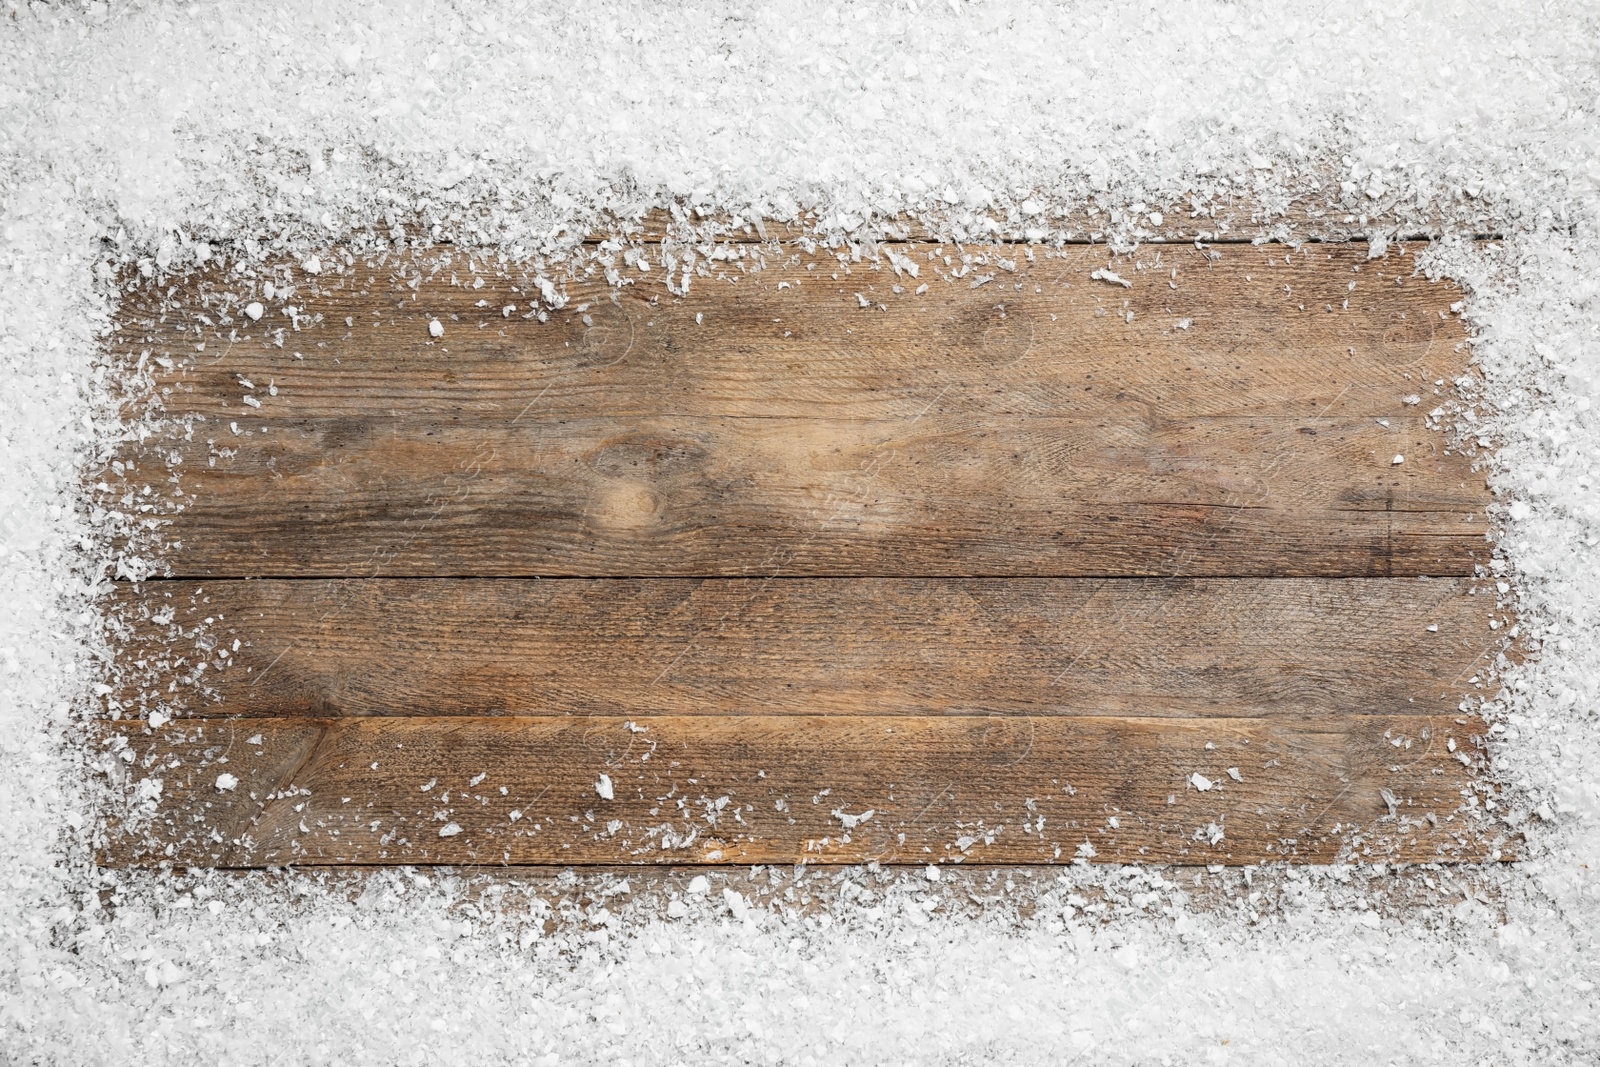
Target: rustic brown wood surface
pixel 951 495
pixel 1228 416
pixel 790 789
pixel 1004 546
pixel 812 646
pixel 1270 333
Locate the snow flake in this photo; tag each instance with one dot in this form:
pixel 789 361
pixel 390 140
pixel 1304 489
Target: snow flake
pixel 849 821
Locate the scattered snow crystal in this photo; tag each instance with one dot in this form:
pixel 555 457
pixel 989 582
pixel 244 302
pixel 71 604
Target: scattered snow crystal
pixel 849 821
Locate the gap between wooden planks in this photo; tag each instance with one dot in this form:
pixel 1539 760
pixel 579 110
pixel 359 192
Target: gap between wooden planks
pixel 1306 217
pixel 863 447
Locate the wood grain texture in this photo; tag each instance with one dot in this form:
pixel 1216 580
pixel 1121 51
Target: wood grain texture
pixel 736 497
pixel 1318 332
pixel 904 553
pixel 783 789
pixel 1228 416
pixel 1141 647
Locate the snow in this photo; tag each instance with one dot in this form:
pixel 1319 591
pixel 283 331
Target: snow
pixel 151 137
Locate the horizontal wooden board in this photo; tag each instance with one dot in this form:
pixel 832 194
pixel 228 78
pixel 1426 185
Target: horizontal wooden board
pixel 1241 331
pixel 782 789
pixel 1142 647
pixel 949 494
pixel 1232 415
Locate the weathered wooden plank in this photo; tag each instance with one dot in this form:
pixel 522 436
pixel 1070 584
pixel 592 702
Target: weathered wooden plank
pixel 1245 330
pixel 807 417
pixel 944 495
pixel 732 789
pixel 1283 648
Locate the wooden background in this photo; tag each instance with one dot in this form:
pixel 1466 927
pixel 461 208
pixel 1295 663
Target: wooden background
pixel 930 555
